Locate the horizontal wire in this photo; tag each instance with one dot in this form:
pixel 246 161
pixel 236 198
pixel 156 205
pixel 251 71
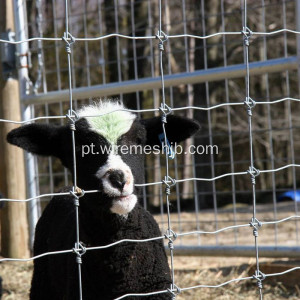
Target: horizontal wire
pixel 142 294
pixel 282 273
pixel 217 285
pixel 278 101
pixel 280 221
pixel 90 39
pixel 213 178
pixel 150 239
pixel 275 32
pixel 33 119
pixel 46 195
pixel 155 110
pixel 124 241
pixel 213 232
pixel 160 182
pixel 37 256
pixel 209 286
pixel 280 168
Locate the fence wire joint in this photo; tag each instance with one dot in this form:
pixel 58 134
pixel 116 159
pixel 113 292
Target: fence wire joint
pixel 253 173
pixel 247 35
pixel 68 36
pixel 255 224
pixel 162 37
pixel 171 236
pixel 73 117
pixel 174 291
pixel 165 110
pixel 259 276
pixel 250 103
pixel 79 250
pixel 168 186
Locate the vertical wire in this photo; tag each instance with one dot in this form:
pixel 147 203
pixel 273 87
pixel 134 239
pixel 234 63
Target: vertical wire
pixel 212 161
pixel 65 170
pixel 266 77
pixel 254 221
pixel 136 77
pixel 177 189
pixel 56 46
pixel 50 159
pixel 73 149
pixel 190 91
pixel 100 21
pixel 74 101
pixel 41 81
pixel 41 78
pixel 160 34
pixel 228 110
pixel 150 40
pixel 290 122
pixel 58 70
pixel 36 171
pixel 118 45
pixel 152 74
pixel 155 96
pixel 86 46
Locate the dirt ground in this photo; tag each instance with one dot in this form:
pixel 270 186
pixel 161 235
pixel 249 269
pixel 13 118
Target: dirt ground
pixel 192 271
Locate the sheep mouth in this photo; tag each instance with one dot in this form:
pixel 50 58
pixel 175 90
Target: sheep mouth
pixel 124 198
pixel 123 205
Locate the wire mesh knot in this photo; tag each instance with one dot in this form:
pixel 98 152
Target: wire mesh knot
pixel 76 198
pixel 253 173
pixel 79 250
pixel 162 37
pixel 171 236
pixel 165 110
pixel 73 117
pixel 259 276
pixel 247 35
pixel 255 224
pixel 68 35
pixel 250 103
pixel 168 186
pixel 174 291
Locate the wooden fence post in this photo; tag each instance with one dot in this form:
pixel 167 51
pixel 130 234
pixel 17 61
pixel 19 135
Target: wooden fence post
pixel 14 225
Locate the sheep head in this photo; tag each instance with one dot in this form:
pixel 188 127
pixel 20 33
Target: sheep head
pixel 102 132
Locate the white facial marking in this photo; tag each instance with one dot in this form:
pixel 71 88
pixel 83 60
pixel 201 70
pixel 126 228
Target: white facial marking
pixel 112 124
pixel 124 201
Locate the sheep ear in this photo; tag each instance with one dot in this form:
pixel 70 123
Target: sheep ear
pixel 41 139
pixel 177 129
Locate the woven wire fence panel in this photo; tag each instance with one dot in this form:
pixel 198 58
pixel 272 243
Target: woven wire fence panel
pixel 214 191
pixel 224 138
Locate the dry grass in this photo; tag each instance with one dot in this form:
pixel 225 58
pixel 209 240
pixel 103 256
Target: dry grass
pixel 214 271
pixel 16 280
pixel 191 271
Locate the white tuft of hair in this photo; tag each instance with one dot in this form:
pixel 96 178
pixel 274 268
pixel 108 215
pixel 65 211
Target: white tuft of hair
pixel 108 118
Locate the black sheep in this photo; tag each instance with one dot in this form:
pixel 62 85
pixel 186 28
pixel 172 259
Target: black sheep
pixel 105 217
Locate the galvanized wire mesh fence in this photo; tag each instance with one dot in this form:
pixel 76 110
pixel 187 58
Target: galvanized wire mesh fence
pixel 249 109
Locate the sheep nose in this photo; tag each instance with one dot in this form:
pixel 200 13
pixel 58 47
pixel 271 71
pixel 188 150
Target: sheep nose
pixel 117 179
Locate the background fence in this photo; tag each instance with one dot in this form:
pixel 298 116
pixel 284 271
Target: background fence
pixel 207 65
